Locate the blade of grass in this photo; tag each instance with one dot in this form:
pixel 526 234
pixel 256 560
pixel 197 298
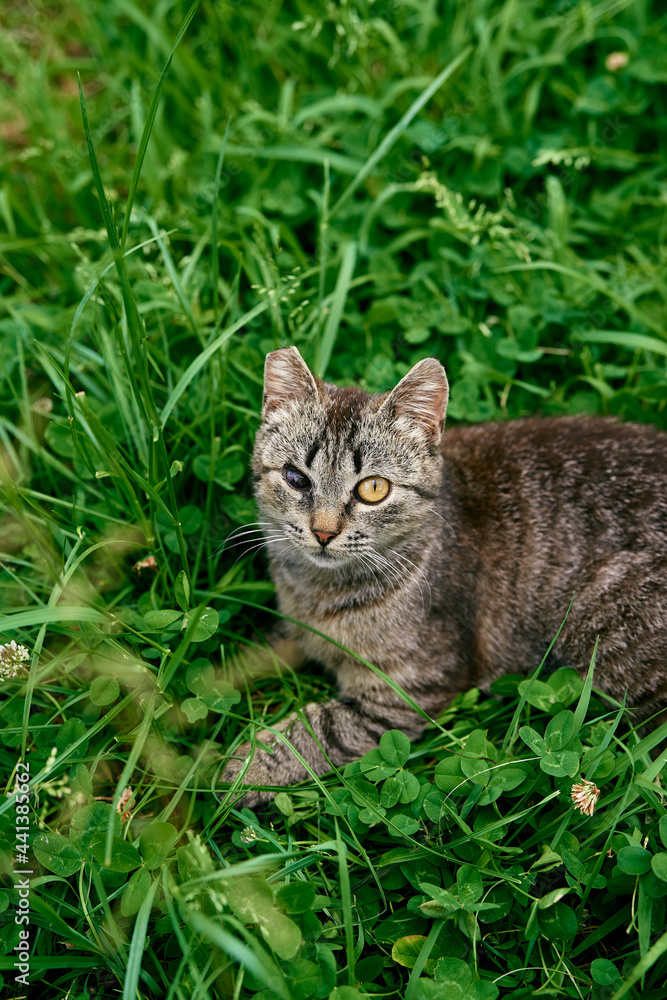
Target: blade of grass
pixel 215 261
pixel 255 959
pixel 90 291
pixel 585 696
pixel 187 947
pixel 324 234
pixel 136 952
pixel 111 927
pixel 593 765
pixel 135 324
pixel 513 729
pixel 54 597
pixel 196 366
pixel 397 131
pixel 587 278
pixel 38 778
pixel 299 154
pixel 174 276
pixel 328 339
pixel 649 742
pixel 148 127
pixel 143 391
pixel 600 933
pixel 121 467
pixel 623 338
pixel 422 958
pixel 130 763
pixel 61 927
pixel 346 900
pixel 642 967
pixel 629 796
pixel 50 616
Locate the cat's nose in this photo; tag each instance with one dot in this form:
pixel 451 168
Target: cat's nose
pixel 324 537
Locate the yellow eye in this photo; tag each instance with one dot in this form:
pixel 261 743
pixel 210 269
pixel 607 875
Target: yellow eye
pixel 373 489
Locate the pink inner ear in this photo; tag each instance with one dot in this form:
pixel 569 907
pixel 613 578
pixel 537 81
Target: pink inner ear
pixel 286 378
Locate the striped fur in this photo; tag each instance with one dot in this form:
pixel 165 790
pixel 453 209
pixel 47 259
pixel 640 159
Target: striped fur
pixel 465 571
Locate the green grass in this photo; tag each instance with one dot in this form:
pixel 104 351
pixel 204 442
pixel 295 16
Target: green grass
pixel 375 183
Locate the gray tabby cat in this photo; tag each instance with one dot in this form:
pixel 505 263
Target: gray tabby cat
pixel 449 559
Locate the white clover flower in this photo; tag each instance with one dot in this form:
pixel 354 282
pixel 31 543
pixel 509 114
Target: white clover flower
pixel 585 796
pixel 51 760
pixel 616 61
pixel 12 658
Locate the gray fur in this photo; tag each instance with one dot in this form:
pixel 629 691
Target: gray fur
pixel 466 570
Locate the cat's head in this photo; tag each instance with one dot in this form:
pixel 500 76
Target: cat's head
pixel 341 475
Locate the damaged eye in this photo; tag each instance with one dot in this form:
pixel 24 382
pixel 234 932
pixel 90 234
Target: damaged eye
pixel 295 479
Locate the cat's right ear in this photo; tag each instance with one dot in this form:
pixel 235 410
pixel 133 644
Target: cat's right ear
pixel 287 378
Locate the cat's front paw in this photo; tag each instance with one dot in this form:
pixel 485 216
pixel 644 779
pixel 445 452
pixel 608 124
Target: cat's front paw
pixel 284 756
pixel 255 772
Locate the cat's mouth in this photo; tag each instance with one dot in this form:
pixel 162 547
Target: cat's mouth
pixel 323 556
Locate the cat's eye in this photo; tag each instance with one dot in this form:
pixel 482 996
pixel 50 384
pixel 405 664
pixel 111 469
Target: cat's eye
pixel 373 489
pixel 295 479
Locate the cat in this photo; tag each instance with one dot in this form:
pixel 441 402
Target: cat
pixel 448 558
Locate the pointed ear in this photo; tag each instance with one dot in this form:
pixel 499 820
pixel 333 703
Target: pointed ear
pixel 286 378
pixel 419 401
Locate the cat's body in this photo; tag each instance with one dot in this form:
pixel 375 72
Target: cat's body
pixel 465 569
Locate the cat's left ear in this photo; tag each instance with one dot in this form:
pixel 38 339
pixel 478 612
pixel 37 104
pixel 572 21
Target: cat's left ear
pixel 287 378
pixel 419 401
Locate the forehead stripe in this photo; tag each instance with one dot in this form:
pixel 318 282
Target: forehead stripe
pixel 312 452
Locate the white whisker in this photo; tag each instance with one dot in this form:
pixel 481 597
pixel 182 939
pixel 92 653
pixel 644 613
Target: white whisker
pixel 266 537
pixel 256 546
pixel 417 569
pixel 434 511
pixel 254 549
pixel 257 525
pixel 396 571
pixel 367 566
pixel 384 568
pixel 240 533
pixel 411 574
pixel 290 541
pixel 237 533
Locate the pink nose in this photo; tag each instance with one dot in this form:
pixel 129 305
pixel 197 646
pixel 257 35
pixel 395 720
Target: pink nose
pixel 324 537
